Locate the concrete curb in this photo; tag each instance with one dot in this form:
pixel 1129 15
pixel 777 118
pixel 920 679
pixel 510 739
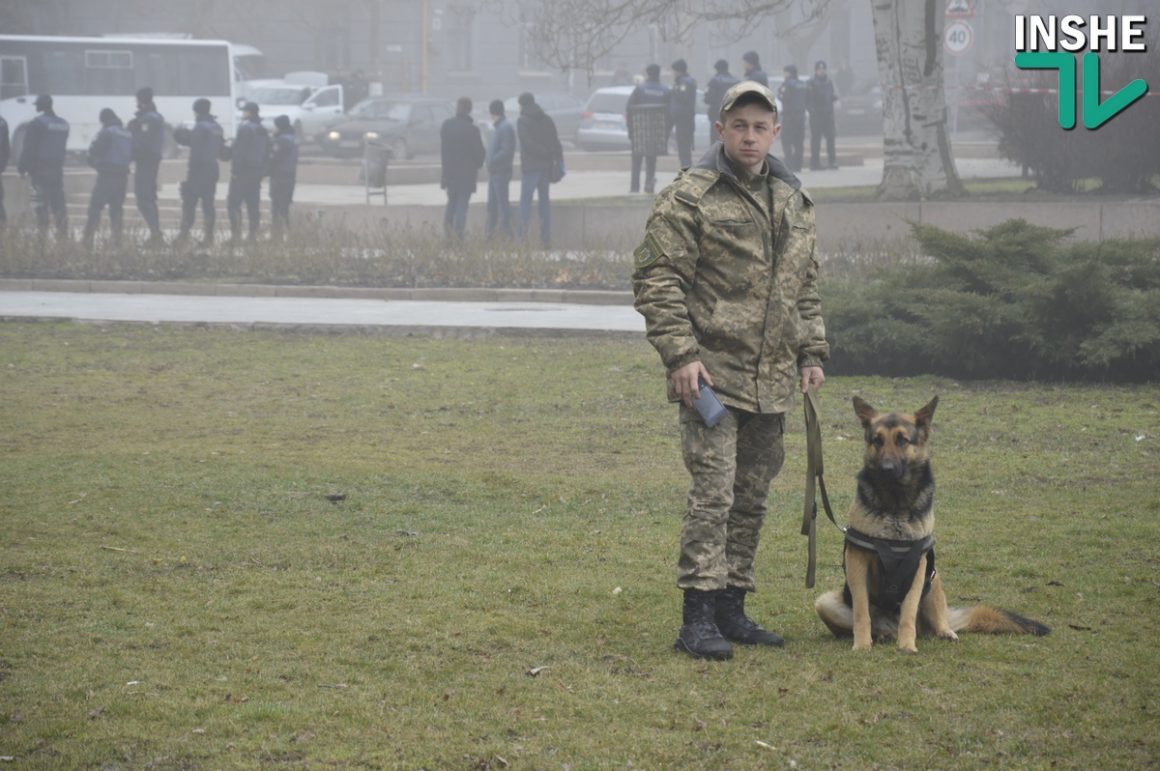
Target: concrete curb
pixel 434 294
pixel 367 330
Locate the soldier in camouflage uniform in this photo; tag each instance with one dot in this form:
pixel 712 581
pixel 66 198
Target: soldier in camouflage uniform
pixel 726 279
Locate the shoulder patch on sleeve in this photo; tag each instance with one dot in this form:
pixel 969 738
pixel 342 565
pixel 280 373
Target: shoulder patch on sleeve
pixel 648 252
pixel 694 183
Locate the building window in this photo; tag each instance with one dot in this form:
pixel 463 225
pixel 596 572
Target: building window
pixel 460 40
pixel 529 59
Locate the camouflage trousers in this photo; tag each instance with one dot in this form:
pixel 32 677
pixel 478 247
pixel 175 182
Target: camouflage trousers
pixel 732 466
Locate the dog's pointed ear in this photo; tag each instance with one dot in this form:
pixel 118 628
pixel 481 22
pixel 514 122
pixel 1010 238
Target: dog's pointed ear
pixel 923 417
pixel 864 411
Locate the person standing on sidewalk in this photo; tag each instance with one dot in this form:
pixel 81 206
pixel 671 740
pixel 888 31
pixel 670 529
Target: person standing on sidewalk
pixel 5 152
pixel 541 164
pixel 111 154
pixel 148 130
pixel 715 93
pixel 683 111
pixel 205 142
pixel 647 99
pixel 42 159
pixel 501 155
pixel 753 69
pixel 462 154
pixel 249 159
pixel 822 97
pixel 735 307
pixel 793 95
pixel 283 175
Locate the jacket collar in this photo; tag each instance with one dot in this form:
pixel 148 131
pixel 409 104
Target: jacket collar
pixel 715 160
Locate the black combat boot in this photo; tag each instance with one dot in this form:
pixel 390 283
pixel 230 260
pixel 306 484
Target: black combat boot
pixel 699 637
pixel 736 626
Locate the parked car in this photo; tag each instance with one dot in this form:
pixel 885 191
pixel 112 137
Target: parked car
pixel 310 109
pixel 561 107
pixel 603 125
pixel 860 113
pixel 407 124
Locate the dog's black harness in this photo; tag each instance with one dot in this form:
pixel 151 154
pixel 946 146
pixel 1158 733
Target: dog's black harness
pixel 897 564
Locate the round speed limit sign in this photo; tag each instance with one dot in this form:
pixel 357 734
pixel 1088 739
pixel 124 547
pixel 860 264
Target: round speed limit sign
pixel 958 37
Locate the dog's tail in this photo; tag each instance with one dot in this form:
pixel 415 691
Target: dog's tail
pixel 989 620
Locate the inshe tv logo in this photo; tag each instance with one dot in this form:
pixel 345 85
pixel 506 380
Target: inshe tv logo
pixel 1049 43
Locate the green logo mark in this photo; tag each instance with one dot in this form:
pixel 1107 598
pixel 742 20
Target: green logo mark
pixel 1095 112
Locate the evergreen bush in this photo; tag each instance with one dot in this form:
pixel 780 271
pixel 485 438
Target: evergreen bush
pixel 1015 301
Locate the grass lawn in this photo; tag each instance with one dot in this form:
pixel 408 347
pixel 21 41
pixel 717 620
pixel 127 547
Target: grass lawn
pixel 233 549
pixel 985 189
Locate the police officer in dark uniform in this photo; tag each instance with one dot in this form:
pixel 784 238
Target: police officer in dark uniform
pixel 42 159
pixel 250 154
pixel 793 95
pixel 205 142
pixel 5 152
pixel 821 106
pixel 715 94
pixel 148 130
pixel 110 154
pixel 283 173
pixel 753 69
pixel 651 92
pixel 683 111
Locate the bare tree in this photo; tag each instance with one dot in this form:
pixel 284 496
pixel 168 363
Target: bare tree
pixel 918 161
pixel 576 34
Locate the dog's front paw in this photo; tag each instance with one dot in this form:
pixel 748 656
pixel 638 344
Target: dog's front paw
pixel 862 645
pixel 907 648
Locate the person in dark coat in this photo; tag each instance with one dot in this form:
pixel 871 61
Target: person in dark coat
pixel 793 95
pixel 5 153
pixel 461 148
pixel 501 155
pixel 148 130
pixel 683 111
pixel 715 93
pixel 283 175
pixel 541 163
pixel 110 153
pixel 249 158
pixel 753 69
pixel 42 159
pixel 205 142
pixel 821 106
pixel 647 95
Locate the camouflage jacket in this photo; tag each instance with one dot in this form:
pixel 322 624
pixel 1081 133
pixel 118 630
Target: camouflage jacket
pixel 721 280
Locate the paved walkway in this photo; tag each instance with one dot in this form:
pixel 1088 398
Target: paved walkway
pixel 139 304
pixel 601 184
pixel 309 312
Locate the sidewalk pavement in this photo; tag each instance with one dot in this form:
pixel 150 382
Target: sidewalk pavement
pixel 466 311
pixel 315 313
pixel 575 185
pixel 602 184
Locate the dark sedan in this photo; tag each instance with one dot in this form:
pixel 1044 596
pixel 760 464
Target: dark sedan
pixel 407 125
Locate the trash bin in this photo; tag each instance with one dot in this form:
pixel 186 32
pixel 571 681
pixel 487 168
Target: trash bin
pixel 376 158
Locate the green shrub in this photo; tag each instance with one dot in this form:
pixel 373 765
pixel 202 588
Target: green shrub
pixel 1123 153
pixel 1017 301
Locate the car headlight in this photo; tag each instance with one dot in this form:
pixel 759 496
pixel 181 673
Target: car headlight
pixel 334 136
pixel 371 136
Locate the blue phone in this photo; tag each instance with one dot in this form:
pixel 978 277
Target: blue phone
pixel 709 407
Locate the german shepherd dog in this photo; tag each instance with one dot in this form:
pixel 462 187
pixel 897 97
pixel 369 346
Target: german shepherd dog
pixel 892 589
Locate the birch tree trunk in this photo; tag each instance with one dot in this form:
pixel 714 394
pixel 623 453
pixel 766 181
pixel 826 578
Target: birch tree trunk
pixel 918 161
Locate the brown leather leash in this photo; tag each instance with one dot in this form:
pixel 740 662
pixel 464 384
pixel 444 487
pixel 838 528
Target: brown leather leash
pixel 814 482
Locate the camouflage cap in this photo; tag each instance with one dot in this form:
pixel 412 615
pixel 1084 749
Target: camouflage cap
pixel 745 87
